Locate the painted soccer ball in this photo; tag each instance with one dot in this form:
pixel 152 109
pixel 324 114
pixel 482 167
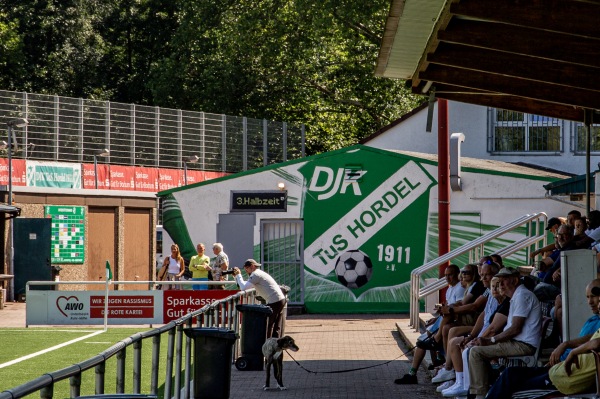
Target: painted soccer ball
pixel 354 269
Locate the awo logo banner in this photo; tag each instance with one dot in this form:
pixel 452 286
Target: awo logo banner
pixel 70 306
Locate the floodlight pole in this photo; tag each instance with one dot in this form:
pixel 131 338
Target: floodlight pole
pixel 11 265
pixel 190 159
pixel 102 153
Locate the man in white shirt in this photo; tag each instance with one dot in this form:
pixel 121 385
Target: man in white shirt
pixel 521 335
pixel 266 287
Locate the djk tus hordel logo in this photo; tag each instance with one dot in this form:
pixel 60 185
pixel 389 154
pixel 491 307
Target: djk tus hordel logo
pixel 333 181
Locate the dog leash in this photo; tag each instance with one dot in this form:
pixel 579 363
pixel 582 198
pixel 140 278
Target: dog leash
pixel 348 370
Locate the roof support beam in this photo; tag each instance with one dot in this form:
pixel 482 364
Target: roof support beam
pixel 509 102
pixel 521 66
pixel 547 45
pixel 518 87
pixel 548 15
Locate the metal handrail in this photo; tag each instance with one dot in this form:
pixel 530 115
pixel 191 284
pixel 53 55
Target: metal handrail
pixel 417 292
pixel 203 317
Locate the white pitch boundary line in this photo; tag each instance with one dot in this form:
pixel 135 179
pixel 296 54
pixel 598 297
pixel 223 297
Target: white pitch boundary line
pixel 49 349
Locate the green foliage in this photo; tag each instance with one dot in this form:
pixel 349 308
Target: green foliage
pixel 296 61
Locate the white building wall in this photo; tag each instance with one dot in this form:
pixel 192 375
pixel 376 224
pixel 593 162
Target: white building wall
pixel 472 120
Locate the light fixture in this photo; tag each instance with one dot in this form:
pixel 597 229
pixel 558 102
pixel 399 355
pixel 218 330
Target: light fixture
pixel 101 153
pixel 29 148
pixel 190 159
pixel 281 186
pixel 12 139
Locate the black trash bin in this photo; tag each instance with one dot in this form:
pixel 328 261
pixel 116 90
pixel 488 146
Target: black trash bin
pixel 212 361
pixel 254 335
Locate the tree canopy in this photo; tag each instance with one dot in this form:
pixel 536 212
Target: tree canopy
pixel 296 61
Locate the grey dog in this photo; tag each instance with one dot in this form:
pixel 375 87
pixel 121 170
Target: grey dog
pixel 273 351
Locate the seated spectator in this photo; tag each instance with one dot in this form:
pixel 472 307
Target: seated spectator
pixel 515 379
pixel 490 322
pixel 549 287
pixel 498 259
pixel 572 216
pixel 466 311
pixel 553 225
pixel 521 335
pixel 453 293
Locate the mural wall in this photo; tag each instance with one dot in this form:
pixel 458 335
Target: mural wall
pixel 369 219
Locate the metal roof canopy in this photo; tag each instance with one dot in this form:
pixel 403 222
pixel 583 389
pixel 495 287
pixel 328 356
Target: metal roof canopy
pixel 537 56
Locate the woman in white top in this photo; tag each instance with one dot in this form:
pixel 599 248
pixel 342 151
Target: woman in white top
pixel 175 265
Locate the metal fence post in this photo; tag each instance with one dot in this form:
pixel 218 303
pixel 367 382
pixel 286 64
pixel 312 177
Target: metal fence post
pixel 107 129
pixel 178 361
pixel 75 383
pixel 137 366
pixel 303 142
pixel 245 143
pixel 100 373
pixel 80 129
pixel 132 130
pixel 155 364
pixel 169 366
pixel 56 127
pixel 157 130
pixel 223 143
pixel 121 356
pixel 202 142
pixel 47 392
pixel 265 146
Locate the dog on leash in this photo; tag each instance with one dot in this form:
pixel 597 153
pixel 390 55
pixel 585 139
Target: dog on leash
pixel 273 353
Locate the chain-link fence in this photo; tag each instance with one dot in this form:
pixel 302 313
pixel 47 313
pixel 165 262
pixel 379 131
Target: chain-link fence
pixel 74 130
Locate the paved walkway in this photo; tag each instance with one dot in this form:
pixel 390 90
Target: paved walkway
pixel 327 343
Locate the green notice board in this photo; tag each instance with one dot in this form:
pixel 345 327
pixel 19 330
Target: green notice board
pixel 68 232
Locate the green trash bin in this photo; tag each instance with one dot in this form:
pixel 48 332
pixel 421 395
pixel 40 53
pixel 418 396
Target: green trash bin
pixel 213 353
pixel 254 335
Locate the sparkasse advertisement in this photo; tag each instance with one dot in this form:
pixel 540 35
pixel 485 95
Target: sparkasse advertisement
pixel 124 307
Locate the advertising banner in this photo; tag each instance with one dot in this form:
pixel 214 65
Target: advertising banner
pixel 169 178
pixel 18 172
pixel 122 177
pixel 178 303
pixel 146 179
pixel 53 174
pixel 195 176
pixel 124 307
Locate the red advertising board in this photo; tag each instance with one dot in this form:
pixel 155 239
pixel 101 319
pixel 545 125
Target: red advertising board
pixel 117 177
pixel 123 307
pixel 122 177
pixel 18 172
pixel 169 178
pixel 146 179
pixel 178 303
pixel 195 176
pixel 89 180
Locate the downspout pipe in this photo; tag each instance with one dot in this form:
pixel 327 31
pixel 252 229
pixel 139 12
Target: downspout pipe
pixel 456 139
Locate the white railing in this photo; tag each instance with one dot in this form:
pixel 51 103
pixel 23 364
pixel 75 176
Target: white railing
pixel 536 234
